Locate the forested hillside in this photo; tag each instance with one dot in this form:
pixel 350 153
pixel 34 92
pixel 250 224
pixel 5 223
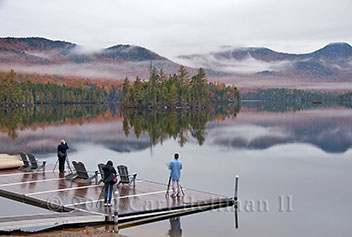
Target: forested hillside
pixel 177 90
pixel 26 90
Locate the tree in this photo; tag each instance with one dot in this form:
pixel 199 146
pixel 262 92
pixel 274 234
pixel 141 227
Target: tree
pixel 137 91
pixel 125 90
pixel 176 89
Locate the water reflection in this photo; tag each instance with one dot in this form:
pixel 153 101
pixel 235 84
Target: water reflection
pixel 162 125
pixel 38 129
pixel 328 129
pixel 284 107
pixel 175 227
pixel 276 152
pixel 14 119
pixel 236 217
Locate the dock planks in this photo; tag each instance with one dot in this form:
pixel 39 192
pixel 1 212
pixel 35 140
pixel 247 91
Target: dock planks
pixel 74 200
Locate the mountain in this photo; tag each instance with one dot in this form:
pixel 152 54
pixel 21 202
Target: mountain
pixel 246 67
pixel 32 50
pixel 40 55
pixel 334 51
pixel 330 63
pixel 33 43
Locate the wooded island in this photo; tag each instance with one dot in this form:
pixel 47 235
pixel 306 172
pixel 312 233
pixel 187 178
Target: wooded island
pixel 178 91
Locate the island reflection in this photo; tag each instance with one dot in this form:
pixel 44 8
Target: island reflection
pixel 164 124
pixel 158 125
pixel 38 129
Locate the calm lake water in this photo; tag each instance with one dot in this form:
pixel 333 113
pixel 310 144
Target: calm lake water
pixel 294 165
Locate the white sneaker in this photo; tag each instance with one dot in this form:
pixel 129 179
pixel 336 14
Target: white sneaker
pixel 105 204
pixel 109 204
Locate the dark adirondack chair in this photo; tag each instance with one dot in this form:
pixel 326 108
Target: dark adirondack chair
pixel 82 173
pixel 125 178
pixel 101 172
pixel 26 165
pixel 34 163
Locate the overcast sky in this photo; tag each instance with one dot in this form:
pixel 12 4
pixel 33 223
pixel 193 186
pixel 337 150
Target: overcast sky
pixel 182 26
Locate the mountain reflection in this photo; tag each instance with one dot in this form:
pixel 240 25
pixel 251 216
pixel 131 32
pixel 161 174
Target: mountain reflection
pixel 326 128
pixel 163 124
pixel 14 119
pixel 45 125
pixel 38 129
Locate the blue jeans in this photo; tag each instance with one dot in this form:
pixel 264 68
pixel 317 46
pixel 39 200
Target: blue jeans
pixel 108 188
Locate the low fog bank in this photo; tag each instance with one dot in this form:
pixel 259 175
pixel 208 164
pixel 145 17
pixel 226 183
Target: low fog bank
pixel 113 71
pixel 247 66
pixel 290 83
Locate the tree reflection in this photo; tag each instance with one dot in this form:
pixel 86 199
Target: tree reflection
pixel 177 124
pixel 14 119
pixel 160 125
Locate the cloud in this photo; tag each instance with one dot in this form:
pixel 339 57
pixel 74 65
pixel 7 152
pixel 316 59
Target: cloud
pixel 125 49
pixel 80 50
pixel 39 54
pixel 182 27
pixel 115 71
pixel 247 66
pixel 89 70
pixel 246 132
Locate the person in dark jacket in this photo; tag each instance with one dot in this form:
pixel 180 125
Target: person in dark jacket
pixel 62 154
pixel 109 176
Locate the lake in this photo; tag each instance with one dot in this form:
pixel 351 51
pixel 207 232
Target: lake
pixel 294 164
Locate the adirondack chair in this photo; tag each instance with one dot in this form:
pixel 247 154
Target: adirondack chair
pixel 125 178
pixel 34 163
pixel 82 173
pixel 26 165
pixel 101 172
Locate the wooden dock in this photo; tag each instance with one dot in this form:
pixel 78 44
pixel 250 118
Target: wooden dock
pixel 74 202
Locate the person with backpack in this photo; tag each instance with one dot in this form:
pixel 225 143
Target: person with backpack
pixel 109 181
pixel 62 154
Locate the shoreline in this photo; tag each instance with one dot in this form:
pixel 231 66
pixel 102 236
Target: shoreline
pixel 68 232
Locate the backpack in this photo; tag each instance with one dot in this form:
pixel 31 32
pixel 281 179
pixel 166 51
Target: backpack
pixel 60 154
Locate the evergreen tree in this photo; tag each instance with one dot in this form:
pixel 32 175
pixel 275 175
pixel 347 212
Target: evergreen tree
pixel 177 90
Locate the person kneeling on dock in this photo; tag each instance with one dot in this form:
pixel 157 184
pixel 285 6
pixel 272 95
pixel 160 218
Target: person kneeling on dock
pixel 62 154
pixel 109 181
pixel 175 166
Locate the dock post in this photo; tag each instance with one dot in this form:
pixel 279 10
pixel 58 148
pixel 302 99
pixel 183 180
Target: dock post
pixel 236 218
pixel 44 163
pixel 235 198
pixel 116 207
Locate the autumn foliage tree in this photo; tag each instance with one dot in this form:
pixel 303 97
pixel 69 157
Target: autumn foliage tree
pixel 14 91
